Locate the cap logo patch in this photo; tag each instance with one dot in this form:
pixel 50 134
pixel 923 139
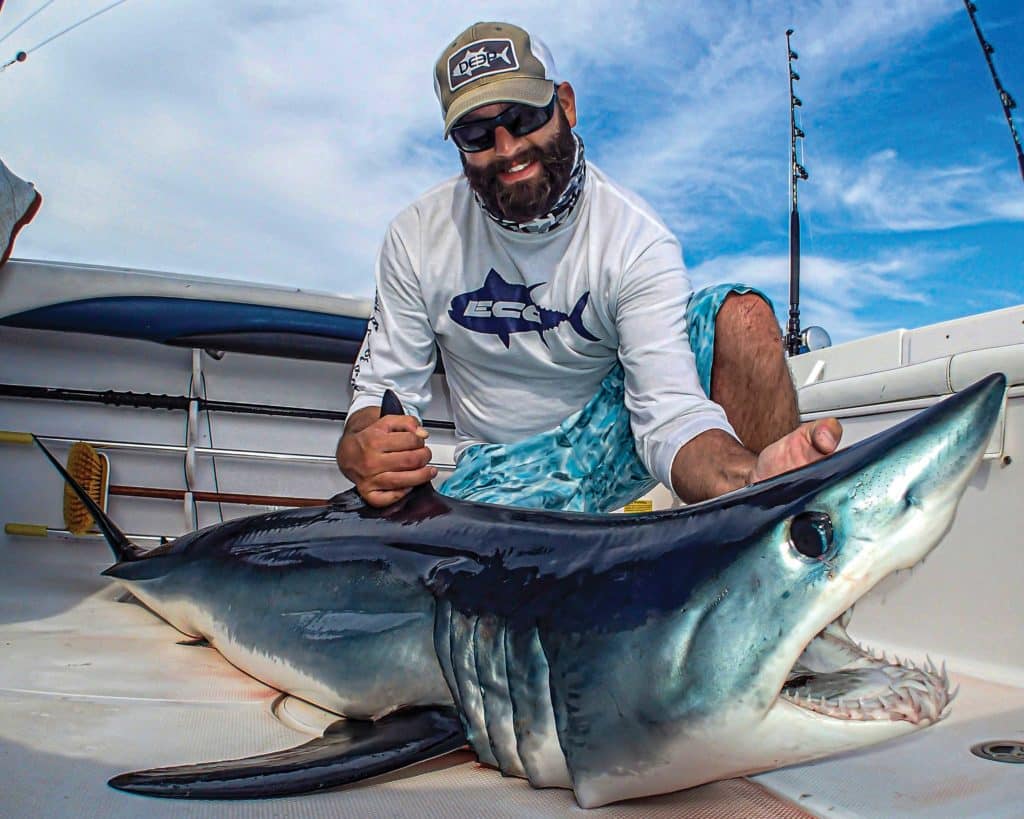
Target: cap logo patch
pixel 481 59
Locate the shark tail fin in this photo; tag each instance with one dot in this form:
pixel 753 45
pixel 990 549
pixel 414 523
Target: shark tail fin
pixel 123 549
pixel 349 751
pixel 576 318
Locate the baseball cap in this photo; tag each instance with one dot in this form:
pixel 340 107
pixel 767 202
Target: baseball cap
pixel 492 62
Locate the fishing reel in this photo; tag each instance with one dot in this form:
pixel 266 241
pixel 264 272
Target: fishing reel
pixel 814 338
pixel 807 341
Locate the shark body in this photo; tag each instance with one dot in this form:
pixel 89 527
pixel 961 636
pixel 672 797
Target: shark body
pixel 620 656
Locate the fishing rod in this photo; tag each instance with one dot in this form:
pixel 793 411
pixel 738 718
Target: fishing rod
pixel 21 56
pixel 24 20
pixel 797 172
pixel 180 402
pixel 1005 99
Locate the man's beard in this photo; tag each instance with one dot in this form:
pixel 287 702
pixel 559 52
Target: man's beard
pixel 521 202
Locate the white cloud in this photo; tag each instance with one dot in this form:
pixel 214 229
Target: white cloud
pixel 714 151
pixel 267 141
pixel 839 295
pixel 885 193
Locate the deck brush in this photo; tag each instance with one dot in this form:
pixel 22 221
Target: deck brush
pixel 92 470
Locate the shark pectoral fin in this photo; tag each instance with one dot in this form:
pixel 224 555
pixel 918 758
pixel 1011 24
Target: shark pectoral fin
pixel 349 751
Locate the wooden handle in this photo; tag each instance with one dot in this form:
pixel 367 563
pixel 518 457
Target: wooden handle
pixel 215 497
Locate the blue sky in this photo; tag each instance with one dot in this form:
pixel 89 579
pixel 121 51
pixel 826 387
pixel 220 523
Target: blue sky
pixel 273 141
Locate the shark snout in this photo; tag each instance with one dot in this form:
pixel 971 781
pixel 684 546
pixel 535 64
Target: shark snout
pixel 934 456
pixel 959 438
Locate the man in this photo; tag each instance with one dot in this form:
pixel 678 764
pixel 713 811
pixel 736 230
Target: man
pixel 578 362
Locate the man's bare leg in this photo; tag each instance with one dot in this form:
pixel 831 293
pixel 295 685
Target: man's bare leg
pixel 749 376
pixel 751 381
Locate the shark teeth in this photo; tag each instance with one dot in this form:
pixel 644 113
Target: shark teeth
pixel 837 676
pixel 914 695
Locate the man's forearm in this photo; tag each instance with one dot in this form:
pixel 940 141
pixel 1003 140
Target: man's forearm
pixel 711 464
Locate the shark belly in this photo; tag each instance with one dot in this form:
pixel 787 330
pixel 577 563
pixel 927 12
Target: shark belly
pixel 353 639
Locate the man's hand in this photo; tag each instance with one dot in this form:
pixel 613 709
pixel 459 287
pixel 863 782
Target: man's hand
pixel 714 462
pixel 384 457
pixel 806 444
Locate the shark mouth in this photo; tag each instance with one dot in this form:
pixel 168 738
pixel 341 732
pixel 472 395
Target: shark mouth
pixel 838 677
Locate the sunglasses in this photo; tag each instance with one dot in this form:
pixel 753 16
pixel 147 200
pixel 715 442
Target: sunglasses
pixel 518 119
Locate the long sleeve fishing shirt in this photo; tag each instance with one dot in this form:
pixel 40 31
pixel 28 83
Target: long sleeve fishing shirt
pixel 529 324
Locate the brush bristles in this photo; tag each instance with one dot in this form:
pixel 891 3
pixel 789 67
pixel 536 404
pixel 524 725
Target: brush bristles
pixel 89 468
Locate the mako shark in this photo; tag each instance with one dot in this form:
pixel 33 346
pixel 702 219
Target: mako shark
pixel 619 656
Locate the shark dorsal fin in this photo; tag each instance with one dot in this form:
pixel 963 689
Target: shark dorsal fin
pixel 390 405
pixel 347 501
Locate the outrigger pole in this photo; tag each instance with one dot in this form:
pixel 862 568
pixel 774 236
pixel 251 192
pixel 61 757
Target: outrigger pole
pixel 797 172
pixel 1004 95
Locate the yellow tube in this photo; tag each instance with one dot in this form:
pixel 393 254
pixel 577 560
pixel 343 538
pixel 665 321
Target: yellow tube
pixel 8 437
pixel 26 529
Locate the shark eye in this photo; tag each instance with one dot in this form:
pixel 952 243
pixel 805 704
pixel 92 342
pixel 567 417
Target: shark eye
pixel 810 533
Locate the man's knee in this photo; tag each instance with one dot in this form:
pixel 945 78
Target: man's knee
pixel 745 318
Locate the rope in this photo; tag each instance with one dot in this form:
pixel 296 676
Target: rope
pixel 33 14
pixel 21 56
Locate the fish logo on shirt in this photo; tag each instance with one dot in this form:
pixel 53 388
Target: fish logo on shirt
pixel 501 309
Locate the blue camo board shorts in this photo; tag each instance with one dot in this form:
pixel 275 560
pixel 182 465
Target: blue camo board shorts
pixel 588 463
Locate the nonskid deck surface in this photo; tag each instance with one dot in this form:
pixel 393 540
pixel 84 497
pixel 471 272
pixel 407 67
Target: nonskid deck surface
pixel 91 687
